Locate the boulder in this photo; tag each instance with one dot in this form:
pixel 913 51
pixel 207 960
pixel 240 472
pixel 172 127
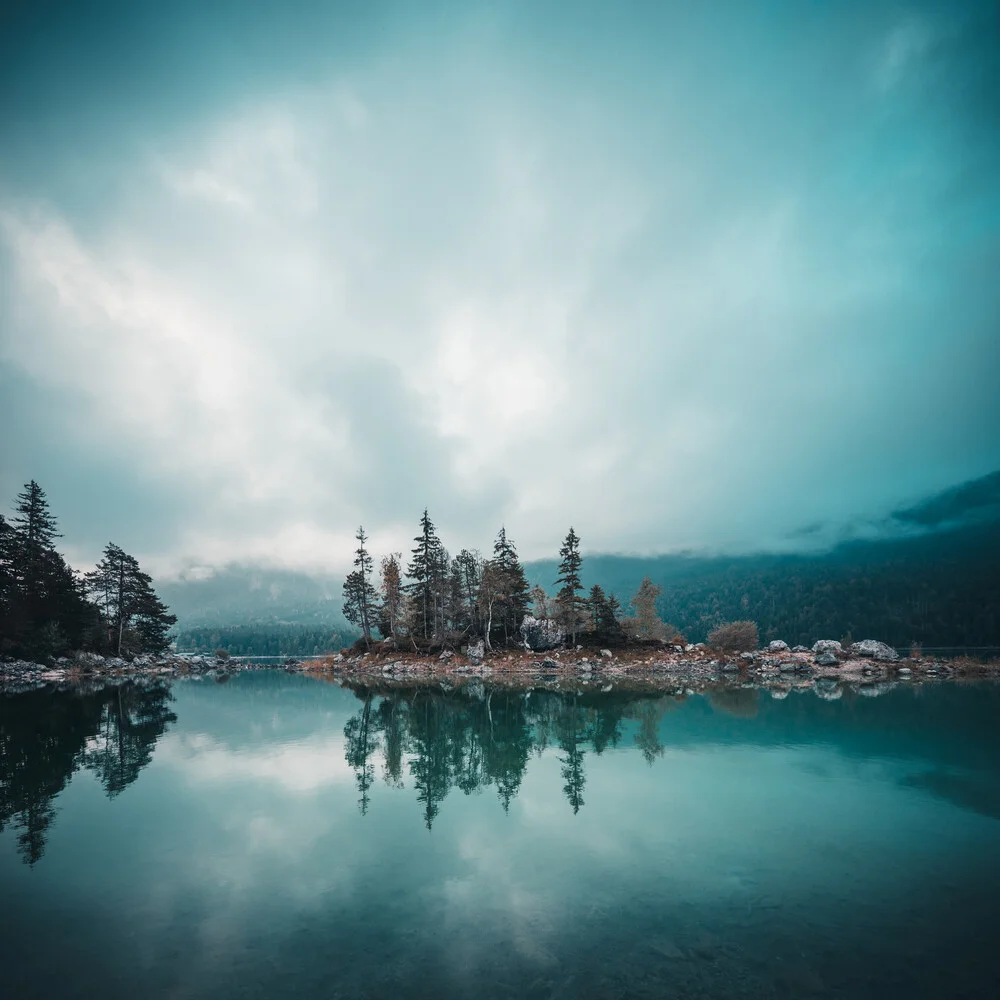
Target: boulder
pixel 826 659
pixel 540 634
pixel 606 653
pixel 800 649
pixel 477 650
pixel 86 660
pixel 827 646
pixel 874 650
pixel 777 646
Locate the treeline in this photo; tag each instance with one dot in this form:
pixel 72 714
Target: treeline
pixel 46 609
pixel 444 601
pixel 939 590
pixel 263 639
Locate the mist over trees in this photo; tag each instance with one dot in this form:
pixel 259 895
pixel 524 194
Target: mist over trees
pixel 46 609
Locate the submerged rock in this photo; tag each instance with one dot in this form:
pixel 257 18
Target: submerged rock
pixel 875 650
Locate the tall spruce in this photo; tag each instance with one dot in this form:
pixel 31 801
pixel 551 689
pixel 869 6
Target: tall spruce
pixel 360 598
pixel 43 610
pixel 426 570
pixel 569 576
pixel 515 601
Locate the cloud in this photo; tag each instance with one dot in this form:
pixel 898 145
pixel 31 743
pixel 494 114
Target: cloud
pixel 969 502
pixel 678 302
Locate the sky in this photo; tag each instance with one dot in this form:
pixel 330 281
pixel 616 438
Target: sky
pixel 709 277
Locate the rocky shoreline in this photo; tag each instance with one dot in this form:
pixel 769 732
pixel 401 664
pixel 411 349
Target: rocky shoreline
pixel 866 668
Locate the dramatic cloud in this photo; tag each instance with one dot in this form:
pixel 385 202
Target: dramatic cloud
pixel 684 281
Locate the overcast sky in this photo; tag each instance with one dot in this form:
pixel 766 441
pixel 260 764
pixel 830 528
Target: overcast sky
pixel 703 276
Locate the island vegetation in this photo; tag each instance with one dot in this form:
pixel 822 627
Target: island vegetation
pixel 440 602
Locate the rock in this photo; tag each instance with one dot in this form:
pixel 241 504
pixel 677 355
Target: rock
pixel 540 634
pixel 477 650
pixel 874 650
pixel 689 648
pixel 550 664
pixel 338 658
pixel 729 667
pixel 606 653
pixel 777 646
pixel 747 657
pixel 800 649
pixel 905 671
pixel 779 694
pixel 826 659
pixel 827 646
pixel 87 660
pixel 789 666
pixel 445 656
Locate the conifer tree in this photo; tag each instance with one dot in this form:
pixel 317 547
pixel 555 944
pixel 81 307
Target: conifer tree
pixel 43 605
pixel 569 577
pixel 360 599
pixel 425 570
pixel 134 619
pixel 515 600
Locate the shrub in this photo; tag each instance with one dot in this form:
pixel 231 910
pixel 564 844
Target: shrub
pixel 734 637
pixel 222 654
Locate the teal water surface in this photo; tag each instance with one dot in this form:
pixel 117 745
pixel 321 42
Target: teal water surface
pixel 277 836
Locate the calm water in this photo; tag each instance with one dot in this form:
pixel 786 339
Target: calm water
pixel 278 836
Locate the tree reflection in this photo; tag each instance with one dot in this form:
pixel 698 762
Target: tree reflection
pixel 474 738
pixel 46 736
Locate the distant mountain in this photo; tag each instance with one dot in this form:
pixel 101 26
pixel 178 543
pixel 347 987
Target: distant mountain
pixel 240 595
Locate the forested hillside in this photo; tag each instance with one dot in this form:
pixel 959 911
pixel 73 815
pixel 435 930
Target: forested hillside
pixel 264 639
pixel 941 589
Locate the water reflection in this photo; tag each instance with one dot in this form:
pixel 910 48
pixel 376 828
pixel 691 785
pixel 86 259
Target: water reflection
pixel 45 736
pixel 475 738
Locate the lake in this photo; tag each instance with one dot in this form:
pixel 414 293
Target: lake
pixel 278 836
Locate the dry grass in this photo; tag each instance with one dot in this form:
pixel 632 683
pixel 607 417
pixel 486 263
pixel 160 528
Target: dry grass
pixel 734 637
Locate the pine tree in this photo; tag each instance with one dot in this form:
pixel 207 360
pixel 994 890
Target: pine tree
pixel 468 567
pixel 134 619
pixel 604 617
pixel 569 577
pixel 360 599
pixel 426 570
pixel 515 601
pixel 42 604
